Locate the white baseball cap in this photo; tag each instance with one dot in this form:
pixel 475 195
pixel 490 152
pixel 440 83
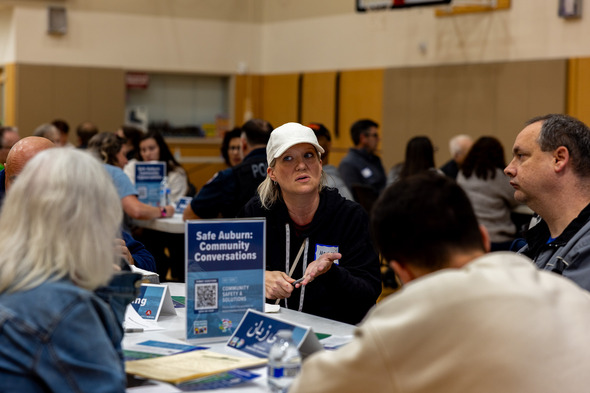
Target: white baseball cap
pixel 287 135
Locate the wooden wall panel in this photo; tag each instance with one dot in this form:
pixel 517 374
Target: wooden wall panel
pixel 70 102
pixel 280 98
pixel 318 103
pixel 578 98
pixel 75 94
pixel 476 99
pixel 34 97
pixel 511 101
pixel 478 116
pixel 106 98
pixel 361 97
pixel 247 98
pixel 10 89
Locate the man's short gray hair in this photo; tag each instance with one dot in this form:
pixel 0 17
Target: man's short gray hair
pixel 456 146
pixel 563 130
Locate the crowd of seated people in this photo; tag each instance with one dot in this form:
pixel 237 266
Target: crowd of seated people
pixel 437 234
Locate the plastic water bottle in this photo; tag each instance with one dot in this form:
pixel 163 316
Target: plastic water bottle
pixel 164 192
pixel 284 362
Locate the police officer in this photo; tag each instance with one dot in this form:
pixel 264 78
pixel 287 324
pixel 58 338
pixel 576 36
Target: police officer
pixel 230 189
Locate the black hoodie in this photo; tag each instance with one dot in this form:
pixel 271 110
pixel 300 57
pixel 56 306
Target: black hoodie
pixel 350 288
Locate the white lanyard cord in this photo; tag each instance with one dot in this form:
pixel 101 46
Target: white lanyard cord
pixel 295 262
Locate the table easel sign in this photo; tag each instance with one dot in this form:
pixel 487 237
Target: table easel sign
pixel 225 263
pixel 153 301
pixel 256 334
pixel 148 176
pixel 181 204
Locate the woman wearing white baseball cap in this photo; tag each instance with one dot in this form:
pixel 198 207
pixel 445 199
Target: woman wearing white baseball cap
pixel 313 233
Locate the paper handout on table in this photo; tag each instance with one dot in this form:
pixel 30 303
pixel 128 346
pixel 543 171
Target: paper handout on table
pixel 152 349
pixel 188 365
pixel 147 276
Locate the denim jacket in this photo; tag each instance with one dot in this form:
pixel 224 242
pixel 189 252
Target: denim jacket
pixel 58 337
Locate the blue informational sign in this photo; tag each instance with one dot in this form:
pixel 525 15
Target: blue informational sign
pixel 149 301
pixel 148 176
pixel 225 275
pixel 256 334
pixel 181 204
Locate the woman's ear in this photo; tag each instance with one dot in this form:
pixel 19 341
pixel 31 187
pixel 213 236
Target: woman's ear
pixel 271 173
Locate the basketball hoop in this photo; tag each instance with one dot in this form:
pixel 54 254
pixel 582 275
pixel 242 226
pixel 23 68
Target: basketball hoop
pixel 470 6
pixel 373 5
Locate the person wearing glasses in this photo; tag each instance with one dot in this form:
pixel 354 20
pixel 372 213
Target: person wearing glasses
pixel 231 147
pixel 361 166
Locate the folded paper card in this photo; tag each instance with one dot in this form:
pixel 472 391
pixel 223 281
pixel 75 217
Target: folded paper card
pixel 152 301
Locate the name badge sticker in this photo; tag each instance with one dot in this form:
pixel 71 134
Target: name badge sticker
pixel 367 173
pixel 321 249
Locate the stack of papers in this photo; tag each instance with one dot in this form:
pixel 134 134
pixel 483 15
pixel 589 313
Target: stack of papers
pixel 188 365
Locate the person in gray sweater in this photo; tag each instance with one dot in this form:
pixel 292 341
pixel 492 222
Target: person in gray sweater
pixel 489 190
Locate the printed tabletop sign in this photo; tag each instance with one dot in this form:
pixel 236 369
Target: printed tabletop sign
pixel 256 334
pixel 152 301
pixel 148 177
pixel 225 263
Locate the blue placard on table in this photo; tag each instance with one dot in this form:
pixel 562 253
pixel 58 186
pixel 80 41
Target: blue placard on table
pixel 148 176
pixel 256 334
pixel 225 264
pixel 181 204
pixel 152 301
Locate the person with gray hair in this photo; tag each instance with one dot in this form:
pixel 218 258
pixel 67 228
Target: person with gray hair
pixel 48 131
pixel 57 233
pixel 550 172
pixel 313 234
pixel 459 146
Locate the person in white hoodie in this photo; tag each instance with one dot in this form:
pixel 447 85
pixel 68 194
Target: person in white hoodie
pixel 466 321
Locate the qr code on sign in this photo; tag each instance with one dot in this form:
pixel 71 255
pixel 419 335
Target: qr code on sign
pixel 206 295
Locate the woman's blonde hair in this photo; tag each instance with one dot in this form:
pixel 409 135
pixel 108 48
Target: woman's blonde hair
pixel 59 220
pixel 270 191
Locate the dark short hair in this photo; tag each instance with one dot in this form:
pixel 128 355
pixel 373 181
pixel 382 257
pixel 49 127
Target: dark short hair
pixel 61 125
pixel 361 127
pixel 85 131
pixel 257 131
pixel 133 135
pixel 320 130
pixel 422 220
pixel 563 130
